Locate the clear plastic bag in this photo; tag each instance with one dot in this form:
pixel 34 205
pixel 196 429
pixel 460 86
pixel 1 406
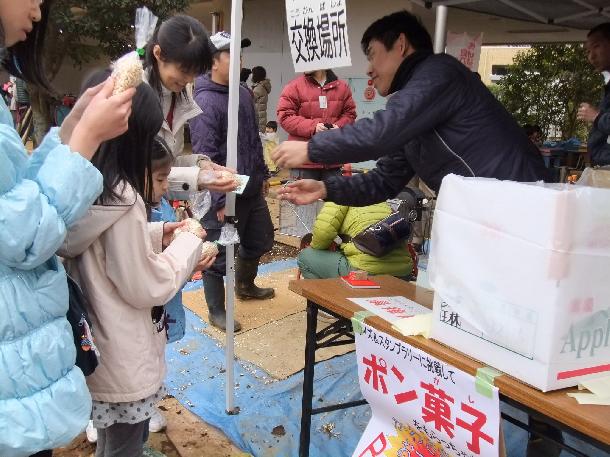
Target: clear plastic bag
pixel 145 25
pixel 228 235
pixel 127 70
pixel 200 204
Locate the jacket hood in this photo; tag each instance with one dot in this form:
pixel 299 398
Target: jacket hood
pixel 99 219
pixel 205 84
pixel 265 83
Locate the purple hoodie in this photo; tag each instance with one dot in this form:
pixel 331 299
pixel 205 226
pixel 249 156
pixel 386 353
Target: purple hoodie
pixel 209 134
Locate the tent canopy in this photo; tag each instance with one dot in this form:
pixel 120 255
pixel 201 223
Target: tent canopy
pixel 578 14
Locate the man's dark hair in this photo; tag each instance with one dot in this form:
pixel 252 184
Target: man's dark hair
pixel 603 29
pixel 244 74
pixel 531 129
pixel 388 29
pixel 272 125
pixel 258 74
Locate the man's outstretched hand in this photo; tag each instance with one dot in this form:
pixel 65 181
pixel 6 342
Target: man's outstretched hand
pixel 290 154
pixel 303 191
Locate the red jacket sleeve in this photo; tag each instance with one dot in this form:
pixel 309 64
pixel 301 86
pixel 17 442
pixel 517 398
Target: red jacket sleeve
pixel 348 116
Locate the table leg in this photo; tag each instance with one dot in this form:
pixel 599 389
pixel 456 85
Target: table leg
pixel 308 372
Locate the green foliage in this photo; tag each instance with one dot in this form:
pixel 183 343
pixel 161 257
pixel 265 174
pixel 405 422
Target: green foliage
pixel 85 30
pixel 546 84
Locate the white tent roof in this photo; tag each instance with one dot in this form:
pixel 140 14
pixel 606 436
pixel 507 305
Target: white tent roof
pixel 579 14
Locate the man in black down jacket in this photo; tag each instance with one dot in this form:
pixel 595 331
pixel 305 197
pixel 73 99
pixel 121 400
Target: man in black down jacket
pixel 598 53
pixel 439 119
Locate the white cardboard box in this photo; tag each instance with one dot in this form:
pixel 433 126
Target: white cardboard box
pixel 521 274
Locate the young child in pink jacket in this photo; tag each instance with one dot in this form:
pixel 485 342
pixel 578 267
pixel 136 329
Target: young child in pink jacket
pixel 128 269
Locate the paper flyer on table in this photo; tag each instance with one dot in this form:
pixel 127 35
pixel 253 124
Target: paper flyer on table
pixel 391 309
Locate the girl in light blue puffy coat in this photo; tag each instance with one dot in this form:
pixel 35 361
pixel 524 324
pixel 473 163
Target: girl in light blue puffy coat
pixel 44 401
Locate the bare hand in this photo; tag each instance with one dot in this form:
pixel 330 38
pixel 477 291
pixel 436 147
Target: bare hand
pixel 219 183
pixel 209 165
pixel 220 214
pixel 67 126
pixel 320 127
pixel 105 117
pixel 205 263
pixel 168 231
pixel 290 154
pixel 303 191
pixel 587 112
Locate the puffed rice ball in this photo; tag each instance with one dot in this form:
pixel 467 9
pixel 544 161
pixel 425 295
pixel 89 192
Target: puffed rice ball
pixel 209 249
pixel 127 73
pixel 193 226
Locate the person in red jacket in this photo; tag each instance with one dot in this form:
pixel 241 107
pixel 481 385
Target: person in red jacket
pixel 312 103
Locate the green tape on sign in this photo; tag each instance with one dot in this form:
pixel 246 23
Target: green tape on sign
pixel 358 320
pixel 484 380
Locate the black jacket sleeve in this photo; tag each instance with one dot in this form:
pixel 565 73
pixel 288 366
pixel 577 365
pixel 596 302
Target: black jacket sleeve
pixel 428 100
pixel 385 181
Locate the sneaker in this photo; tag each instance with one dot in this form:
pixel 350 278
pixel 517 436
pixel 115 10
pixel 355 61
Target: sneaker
pixel 91 432
pixel 157 422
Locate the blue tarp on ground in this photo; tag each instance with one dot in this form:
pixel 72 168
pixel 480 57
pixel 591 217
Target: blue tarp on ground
pixel 196 378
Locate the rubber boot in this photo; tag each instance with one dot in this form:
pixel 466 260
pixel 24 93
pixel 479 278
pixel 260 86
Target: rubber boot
pixel 245 272
pixel 214 291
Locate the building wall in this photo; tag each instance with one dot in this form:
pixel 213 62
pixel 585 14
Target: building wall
pixel 496 55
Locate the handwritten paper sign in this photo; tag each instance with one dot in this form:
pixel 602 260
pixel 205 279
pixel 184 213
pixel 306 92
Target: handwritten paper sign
pixel 421 405
pixel 465 48
pixel 317 33
pixel 391 309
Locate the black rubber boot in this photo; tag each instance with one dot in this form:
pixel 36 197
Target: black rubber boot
pixel 245 272
pixel 214 291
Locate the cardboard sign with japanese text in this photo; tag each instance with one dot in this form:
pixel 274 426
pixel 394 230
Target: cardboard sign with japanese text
pixel 465 48
pixel 421 405
pixel 317 33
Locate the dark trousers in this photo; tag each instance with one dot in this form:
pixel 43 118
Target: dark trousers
pixel 122 440
pixel 254 227
pixel 48 453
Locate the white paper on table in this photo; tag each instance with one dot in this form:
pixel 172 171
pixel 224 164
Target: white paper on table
pixel 391 309
pixel 600 392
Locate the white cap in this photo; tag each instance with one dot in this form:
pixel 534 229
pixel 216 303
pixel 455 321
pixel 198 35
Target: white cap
pixel 222 41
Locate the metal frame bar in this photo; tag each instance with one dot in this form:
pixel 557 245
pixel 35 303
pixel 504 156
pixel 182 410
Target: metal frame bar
pixel 313 341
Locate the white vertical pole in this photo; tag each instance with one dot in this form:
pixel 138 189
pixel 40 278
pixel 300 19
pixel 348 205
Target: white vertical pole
pixel 440 29
pixel 233 115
